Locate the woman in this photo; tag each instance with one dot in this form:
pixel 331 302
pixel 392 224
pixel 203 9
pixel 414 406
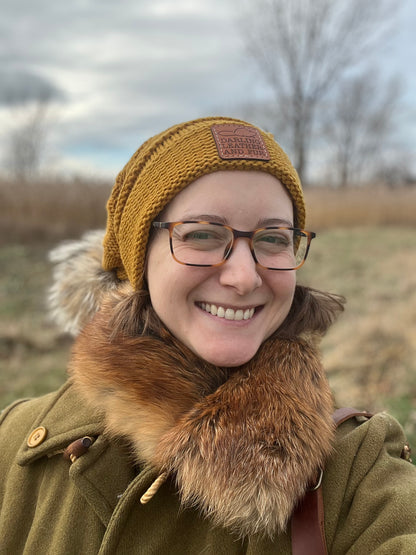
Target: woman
pixel 197 417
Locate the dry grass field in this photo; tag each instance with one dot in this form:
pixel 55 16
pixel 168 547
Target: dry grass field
pixel 365 250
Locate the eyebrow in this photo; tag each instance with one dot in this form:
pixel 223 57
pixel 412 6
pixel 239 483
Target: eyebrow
pixel 274 221
pixel 263 222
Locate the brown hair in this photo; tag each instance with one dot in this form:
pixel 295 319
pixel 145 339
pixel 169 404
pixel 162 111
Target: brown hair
pixel 312 312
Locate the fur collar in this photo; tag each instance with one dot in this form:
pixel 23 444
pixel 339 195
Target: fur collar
pixel 242 444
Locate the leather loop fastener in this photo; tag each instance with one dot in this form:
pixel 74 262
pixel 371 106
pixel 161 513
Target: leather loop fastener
pixel 78 448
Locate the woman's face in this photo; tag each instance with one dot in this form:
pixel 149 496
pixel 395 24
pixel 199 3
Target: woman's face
pixel 245 200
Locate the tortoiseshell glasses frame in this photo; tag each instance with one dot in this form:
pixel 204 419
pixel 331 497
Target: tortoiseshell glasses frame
pixel 210 244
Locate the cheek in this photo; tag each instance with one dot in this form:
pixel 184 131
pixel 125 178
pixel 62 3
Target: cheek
pixel 157 272
pixel 283 286
pixel 283 290
pixel 168 281
pixel 158 254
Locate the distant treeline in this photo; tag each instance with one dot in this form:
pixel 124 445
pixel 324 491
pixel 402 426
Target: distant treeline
pixel 54 210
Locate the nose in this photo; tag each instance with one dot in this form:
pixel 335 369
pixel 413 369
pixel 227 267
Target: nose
pixel 240 270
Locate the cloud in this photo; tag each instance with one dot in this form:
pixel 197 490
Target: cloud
pixel 126 70
pixel 123 70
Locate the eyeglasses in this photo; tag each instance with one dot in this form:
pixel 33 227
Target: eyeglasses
pixel 195 243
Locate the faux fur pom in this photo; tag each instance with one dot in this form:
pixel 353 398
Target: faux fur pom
pixel 79 281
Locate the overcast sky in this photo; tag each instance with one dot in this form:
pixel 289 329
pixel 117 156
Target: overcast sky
pixel 120 71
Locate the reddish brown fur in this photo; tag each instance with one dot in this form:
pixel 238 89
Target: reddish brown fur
pixel 243 443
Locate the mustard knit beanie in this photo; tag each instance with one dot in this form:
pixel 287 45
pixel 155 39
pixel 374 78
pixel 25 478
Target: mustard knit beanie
pixel 167 163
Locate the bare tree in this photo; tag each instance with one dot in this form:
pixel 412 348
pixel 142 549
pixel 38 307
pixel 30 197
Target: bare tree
pixel 29 99
pixel 27 142
pixel 303 48
pixel 358 124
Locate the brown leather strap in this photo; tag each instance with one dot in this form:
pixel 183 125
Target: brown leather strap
pixel 308 525
pixel 308 536
pixel 345 413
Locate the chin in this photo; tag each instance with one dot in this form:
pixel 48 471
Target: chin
pixel 228 358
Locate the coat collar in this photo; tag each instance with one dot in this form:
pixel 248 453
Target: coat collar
pixel 103 474
pixel 64 419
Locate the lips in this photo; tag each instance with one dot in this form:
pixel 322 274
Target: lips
pixel 228 313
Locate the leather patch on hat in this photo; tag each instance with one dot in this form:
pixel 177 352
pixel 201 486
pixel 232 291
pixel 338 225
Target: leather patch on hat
pixel 235 141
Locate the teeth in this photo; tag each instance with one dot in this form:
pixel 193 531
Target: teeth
pixel 228 313
pixel 239 315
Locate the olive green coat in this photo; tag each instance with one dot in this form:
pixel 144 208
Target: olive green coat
pixel 50 505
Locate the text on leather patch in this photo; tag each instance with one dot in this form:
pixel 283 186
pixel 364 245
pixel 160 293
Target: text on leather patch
pixel 239 141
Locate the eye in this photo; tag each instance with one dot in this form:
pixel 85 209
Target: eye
pixel 273 240
pixel 194 231
pixel 273 237
pixel 199 235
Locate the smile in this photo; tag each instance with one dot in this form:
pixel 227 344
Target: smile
pixel 227 313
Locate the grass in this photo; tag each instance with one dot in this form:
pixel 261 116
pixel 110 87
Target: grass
pixel 330 208
pixel 33 355
pixel 50 210
pixel 369 354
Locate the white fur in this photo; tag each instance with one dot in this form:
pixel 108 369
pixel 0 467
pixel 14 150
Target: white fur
pixel 79 281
